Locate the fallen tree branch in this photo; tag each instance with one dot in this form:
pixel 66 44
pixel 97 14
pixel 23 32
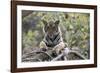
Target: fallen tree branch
pixel 78 54
pixel 66 54
pixel 37 52
pixel 38 55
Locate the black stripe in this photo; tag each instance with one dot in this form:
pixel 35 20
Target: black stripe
pixel 56 36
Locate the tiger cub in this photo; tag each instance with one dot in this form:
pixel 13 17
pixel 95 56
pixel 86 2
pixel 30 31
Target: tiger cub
pixel 52 36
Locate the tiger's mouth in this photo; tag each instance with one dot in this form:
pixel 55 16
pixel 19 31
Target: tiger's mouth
pixel 53 35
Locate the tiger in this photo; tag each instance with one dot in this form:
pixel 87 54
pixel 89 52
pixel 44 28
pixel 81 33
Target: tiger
pixel 52 36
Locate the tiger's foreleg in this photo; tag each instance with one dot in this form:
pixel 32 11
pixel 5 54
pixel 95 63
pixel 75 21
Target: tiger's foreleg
pixel 43 45
pixel 58 48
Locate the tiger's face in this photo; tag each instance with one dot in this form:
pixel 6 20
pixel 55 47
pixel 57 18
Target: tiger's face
pixel 51 28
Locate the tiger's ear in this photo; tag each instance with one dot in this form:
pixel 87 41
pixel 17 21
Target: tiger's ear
pixel 57 22
pixel 44 22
